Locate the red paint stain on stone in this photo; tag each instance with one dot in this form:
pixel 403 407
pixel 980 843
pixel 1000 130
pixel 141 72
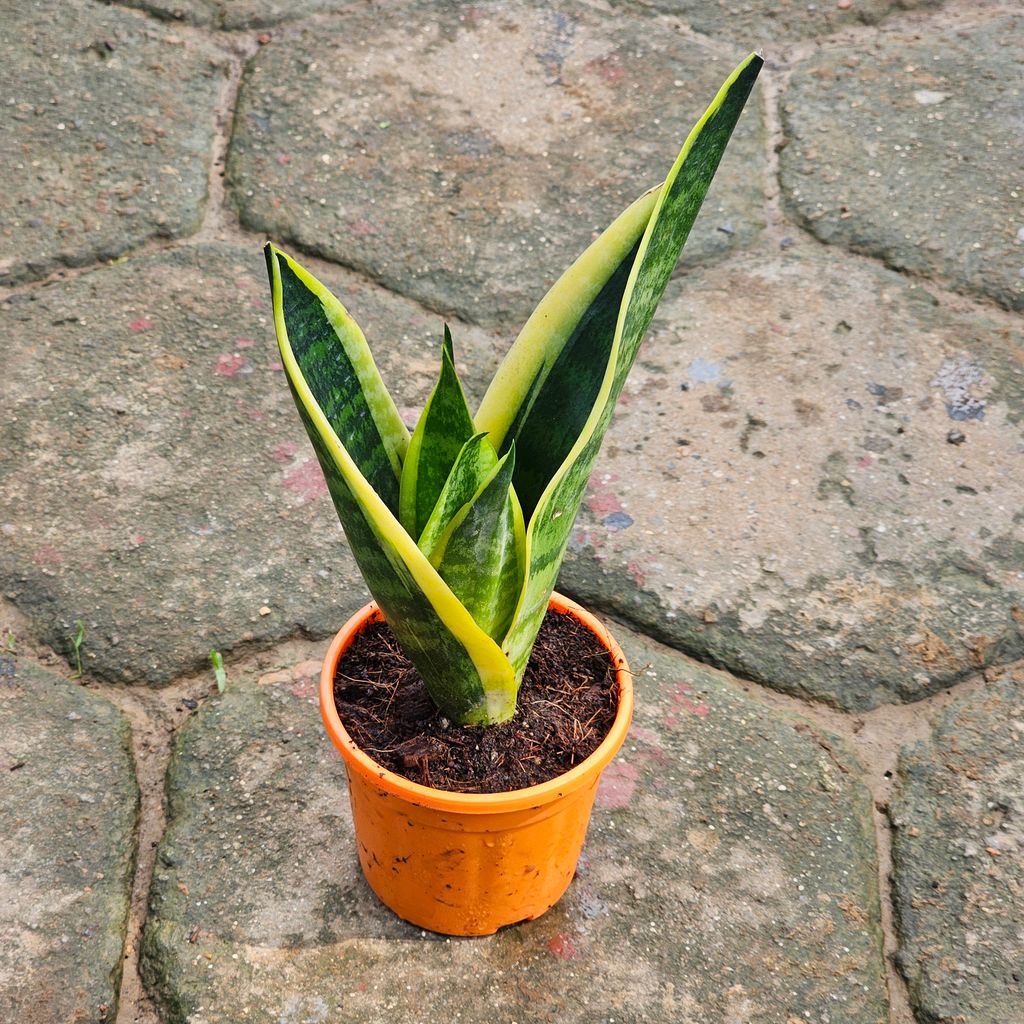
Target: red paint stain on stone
pixel 639 576
pixel 244 342
pixel 617 785
pixel 284 159
pixel 603 504
pixel 362 228
pixel 142 324
pixel 229 363
pixel 277 366
pixel 645 735
pixel 679 696
pixel 138 538
pixel 285 452
pixel 608 68
pixel 563 947
pixel 654 758
pixel 47 555
pixel 253 412
pixel 306 480
pixel 864 461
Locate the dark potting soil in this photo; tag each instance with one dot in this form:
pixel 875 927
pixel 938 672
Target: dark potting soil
pixel 566 706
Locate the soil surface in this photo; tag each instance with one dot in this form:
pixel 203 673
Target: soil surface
pixel 566 706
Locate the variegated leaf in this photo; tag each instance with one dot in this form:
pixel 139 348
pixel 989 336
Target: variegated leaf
pixel 482 556
pixel 609 330
pixel 466 672
pixel 473 467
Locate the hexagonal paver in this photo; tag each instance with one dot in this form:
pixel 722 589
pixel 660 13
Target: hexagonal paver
pixel 729 874
pixel 159 486
pixel 959 839
pixel 815 478
pixel 68 809
pixel 905 149
pixel 753 23
pixel 109 138
pixel 466 155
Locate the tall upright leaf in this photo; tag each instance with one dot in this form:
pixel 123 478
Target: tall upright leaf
pixel 568 381
pixel 337 364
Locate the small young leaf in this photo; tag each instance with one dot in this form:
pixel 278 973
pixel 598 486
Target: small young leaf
pixel 473 467
pixel 443 428
pixel 76 646
pixel 483 557
pixel 218 671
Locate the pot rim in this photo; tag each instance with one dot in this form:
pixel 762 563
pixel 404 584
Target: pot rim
pixel 533 797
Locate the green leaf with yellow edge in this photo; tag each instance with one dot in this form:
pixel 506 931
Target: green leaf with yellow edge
pixel 330 378
pixel 339 369
pixel 443 428
pixel 612 326
pixel 573 300
pixel 482 555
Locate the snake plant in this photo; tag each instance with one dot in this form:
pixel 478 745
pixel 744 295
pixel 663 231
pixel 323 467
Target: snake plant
pixel 460 529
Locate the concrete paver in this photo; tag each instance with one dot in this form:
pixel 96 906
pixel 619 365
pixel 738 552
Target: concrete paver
pixel 729 874
pixel 68 809
pixel 466 155
pixel 902 148
pixel 109 139
pixel 959 878
pixel 814 478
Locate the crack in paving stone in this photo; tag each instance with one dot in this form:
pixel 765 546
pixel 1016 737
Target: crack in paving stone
pixel 873 736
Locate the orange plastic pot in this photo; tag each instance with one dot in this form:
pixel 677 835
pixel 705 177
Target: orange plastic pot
pixel 470 863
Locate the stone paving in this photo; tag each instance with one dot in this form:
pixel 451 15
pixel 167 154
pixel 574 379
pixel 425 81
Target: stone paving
pixel 805 525
pixel 67 850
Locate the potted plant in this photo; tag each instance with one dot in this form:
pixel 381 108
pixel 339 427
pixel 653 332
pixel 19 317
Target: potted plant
pixel 459 531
